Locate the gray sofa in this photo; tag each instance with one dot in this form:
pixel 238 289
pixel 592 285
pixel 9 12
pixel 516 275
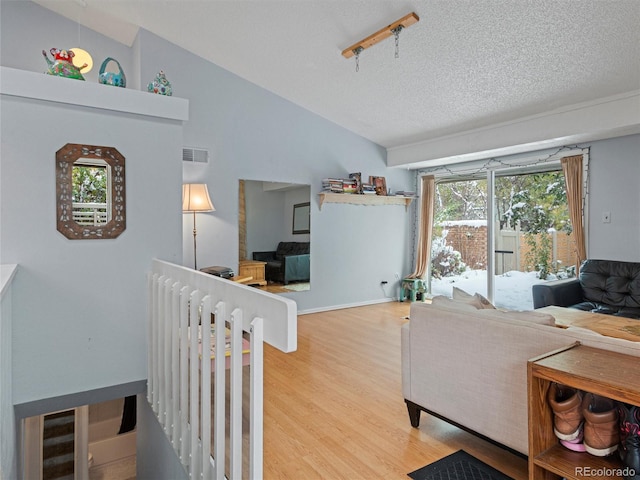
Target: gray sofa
pixel 469 366
pixel 603 286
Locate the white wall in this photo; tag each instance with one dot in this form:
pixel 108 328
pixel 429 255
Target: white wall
pixel 265 218
pixel 156 458
pixel 254 134
pixel 79 310
pixel 8 446
pixel 270 216
pixel 251 133
pixel 36 28
pixel 613 187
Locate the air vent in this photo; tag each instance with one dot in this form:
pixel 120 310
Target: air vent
pixel 195 155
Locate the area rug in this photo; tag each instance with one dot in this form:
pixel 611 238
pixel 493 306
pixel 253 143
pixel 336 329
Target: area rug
pixel 458 466
pixel 298 287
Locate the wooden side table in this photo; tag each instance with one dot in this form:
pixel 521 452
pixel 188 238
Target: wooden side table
pixel 607 373
pixel 254 269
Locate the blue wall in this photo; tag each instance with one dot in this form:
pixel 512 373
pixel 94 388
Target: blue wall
pixel 254 134
pixel 251 134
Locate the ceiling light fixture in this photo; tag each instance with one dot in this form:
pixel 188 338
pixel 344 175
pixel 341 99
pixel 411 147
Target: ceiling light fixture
pixel 394 29
pixel 82 59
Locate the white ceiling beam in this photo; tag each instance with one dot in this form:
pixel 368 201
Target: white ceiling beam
pixel 603 118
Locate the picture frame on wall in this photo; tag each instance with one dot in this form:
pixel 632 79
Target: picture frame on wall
pixel 380 184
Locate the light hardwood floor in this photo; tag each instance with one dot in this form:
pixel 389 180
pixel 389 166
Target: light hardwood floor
pixel 334 408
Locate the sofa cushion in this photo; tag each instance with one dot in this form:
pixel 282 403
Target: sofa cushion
pixel 610 282
pixel 441 301
pixel 477 300
pixel 291 248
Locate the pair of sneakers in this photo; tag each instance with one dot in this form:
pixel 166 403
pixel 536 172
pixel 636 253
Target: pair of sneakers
pixel 584 421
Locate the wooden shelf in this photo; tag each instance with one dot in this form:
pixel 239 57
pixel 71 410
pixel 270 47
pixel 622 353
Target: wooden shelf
pixel 560 460
pixel 610 374
pixel 356 199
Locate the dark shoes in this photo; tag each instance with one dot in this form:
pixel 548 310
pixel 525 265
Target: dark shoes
pixel 629 449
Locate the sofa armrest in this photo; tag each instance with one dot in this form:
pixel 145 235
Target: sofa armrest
pixel 264 256
pixel 562 293
pixel 296 267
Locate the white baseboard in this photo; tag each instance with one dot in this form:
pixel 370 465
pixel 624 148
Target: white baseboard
pixel 346 305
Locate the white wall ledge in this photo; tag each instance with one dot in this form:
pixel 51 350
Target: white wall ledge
pixel 39 86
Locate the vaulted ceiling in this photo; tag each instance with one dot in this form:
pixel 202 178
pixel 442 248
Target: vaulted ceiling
pixel 464 65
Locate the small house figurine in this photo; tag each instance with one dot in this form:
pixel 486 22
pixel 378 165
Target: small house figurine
pixel 160 85
pixel 63 66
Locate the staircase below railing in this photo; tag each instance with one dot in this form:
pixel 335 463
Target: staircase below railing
pixel 186 310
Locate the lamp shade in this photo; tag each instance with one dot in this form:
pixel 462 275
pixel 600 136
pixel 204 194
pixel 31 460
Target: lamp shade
pixel 195 198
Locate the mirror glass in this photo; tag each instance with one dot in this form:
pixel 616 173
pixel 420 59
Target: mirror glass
pixel 301 218
pixel 266 216
pixel 90 192
pixel 90 197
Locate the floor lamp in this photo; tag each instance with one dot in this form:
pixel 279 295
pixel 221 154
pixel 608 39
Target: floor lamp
pixel 195 198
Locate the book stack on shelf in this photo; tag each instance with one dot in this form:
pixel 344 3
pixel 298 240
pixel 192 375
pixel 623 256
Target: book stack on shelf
pixel 340 185
pixel 368 189
pixel 405 193
pixel 350 185
pixel 332 185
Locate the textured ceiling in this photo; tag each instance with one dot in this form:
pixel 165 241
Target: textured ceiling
pixel 465 64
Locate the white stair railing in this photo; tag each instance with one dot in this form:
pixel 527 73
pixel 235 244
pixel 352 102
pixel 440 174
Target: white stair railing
pixel 184 308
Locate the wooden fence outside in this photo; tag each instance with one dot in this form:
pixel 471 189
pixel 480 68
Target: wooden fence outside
pixel 512 249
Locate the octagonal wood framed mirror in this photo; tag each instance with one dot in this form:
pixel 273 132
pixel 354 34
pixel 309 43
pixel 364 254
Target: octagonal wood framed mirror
pixel 90 192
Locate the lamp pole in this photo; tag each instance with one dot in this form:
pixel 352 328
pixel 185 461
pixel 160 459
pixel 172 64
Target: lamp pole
pixel 195 261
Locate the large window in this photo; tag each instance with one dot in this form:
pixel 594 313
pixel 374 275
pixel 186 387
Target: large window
pixel 500 232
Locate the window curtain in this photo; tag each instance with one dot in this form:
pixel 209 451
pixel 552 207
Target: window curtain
pixel 572 168
pixel 423 254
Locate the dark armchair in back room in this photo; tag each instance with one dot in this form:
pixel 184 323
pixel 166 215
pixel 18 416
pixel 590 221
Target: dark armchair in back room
pixel 290 262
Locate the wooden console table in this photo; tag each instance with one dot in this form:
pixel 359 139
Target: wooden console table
pixel 253 269
pixel 610 374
